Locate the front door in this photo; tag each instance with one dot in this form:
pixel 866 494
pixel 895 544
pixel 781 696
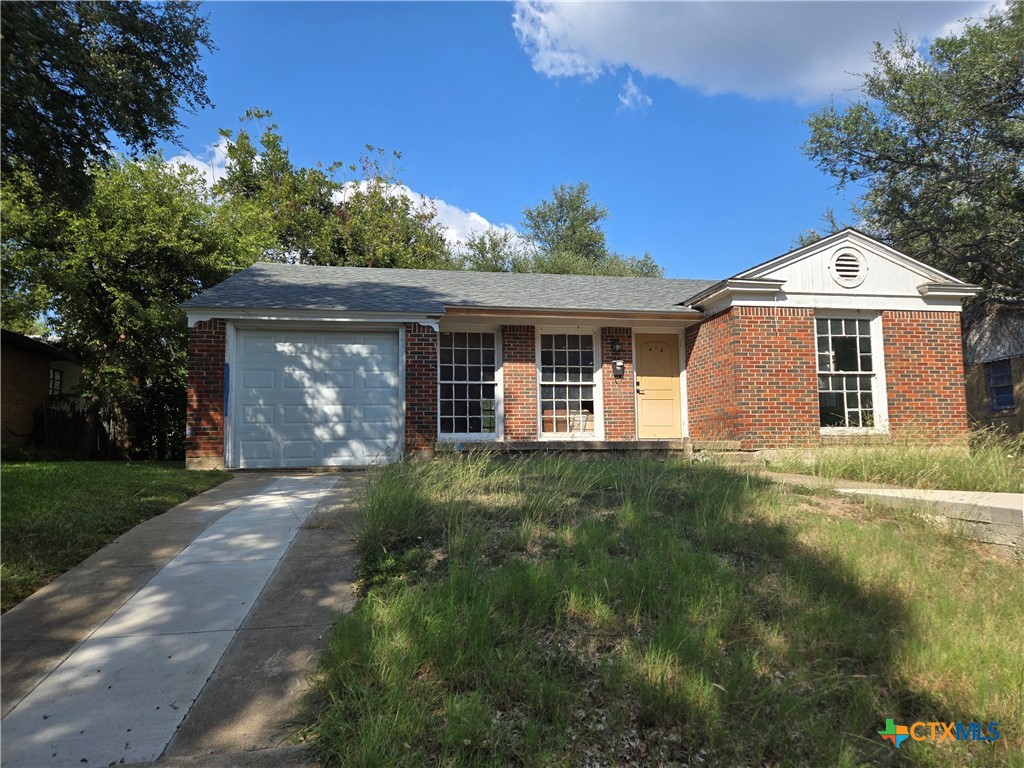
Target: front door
pixel 657 386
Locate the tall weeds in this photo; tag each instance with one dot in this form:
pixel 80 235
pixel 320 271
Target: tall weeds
pixel 553 611
pixel 994 462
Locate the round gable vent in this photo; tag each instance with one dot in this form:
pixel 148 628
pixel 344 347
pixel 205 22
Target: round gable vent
pixel 848 269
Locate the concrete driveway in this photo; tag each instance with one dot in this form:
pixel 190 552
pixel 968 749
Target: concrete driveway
pixel 224 600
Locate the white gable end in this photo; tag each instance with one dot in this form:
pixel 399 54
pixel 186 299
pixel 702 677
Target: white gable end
pixel 844 271
pixel 821 272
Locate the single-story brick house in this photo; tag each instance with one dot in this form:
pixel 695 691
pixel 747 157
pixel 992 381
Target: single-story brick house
pixel 294 366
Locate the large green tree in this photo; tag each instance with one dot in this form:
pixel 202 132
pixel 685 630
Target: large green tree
pixel 370 220
pixel 562 235
pixel 75 72
pixel 382 224
pixel 496 249
pixel 295 204
pixel 937 139
pixel 111 275
pixel 568 223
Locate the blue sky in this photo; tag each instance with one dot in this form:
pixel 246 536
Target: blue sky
pixel 686 119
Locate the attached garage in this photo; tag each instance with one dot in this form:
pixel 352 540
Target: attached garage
pixel 314 399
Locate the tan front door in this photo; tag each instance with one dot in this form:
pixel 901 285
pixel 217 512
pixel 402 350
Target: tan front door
pixel 657 386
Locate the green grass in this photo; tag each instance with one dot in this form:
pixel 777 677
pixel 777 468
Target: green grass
pixel 550 611
pixel 994 463
pixel 56 514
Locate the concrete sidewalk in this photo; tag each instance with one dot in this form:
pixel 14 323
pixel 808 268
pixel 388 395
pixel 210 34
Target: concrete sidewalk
pixel 102 665
pixel 994 518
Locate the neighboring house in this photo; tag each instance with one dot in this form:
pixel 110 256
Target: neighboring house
pixel 306 366
pixel 30 372
pixel 994 368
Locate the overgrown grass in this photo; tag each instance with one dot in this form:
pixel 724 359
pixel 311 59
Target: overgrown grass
pixel 550 611
pixel 56 514
pixel 994 463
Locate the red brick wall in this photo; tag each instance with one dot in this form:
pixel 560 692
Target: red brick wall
pixel 776 377
pixel 925 375
pixel 519 380
pixel 420 387
pixel 619 394
pixel 713 413
pixel 204 436
pixel 751 377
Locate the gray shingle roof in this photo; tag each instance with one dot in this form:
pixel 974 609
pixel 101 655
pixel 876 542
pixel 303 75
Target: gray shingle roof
pixel 425 291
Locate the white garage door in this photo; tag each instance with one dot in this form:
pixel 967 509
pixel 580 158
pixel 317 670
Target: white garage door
pixel 315 399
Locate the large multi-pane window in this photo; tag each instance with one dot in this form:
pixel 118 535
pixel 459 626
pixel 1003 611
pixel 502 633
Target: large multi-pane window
pixel 466 384
pixel 567 383
pixel 846 375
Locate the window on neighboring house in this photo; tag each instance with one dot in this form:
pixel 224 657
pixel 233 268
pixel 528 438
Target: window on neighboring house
pixel 846 373
pixel 466 384
pixel 56 381
pixel 1000 386
pixel 566 383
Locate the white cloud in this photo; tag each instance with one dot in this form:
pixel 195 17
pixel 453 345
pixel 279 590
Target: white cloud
pixel 213 165
pixel 457 223
pixel 631 97
pixel 797 50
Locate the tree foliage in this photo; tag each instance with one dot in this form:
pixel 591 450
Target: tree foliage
pixel 74 72
pixel 938 140
pixel 262 184
pixel 111 276
pixel 369 221
pixel 496 249
pixel 380 224
pixel 568 223
pixel 562 235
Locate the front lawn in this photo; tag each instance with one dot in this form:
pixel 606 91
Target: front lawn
pixel 53 515
pixel 552 611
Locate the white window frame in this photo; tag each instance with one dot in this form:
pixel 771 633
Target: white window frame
pixel 879 388
pixel 595 334
pixel 499 398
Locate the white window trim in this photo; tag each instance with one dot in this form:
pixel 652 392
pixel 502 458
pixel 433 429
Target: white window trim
pixel 499 390
pixel 879 387
pixel 598 433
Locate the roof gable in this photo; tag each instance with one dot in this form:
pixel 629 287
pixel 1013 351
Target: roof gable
pixel 852 240
pixel 847 270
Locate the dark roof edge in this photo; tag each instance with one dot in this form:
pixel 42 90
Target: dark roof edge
pixel 29 344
